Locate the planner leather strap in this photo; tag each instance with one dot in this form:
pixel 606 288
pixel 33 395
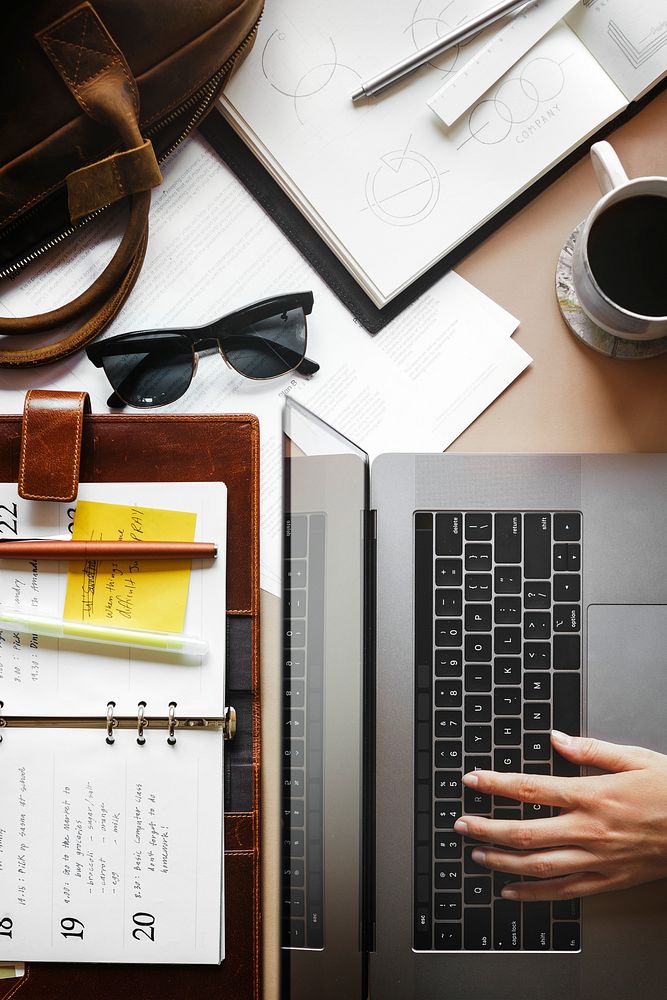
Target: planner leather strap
pixel 51 444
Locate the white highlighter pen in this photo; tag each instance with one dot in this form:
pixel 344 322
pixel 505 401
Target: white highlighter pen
pixel 59 628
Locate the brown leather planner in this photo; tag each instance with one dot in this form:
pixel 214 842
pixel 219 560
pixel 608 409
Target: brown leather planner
pixel 56 443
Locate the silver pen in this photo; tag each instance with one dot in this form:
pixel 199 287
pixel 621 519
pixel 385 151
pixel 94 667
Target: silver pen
pixel 421 56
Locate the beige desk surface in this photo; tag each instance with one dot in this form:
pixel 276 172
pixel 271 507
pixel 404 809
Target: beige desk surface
pixel 570 399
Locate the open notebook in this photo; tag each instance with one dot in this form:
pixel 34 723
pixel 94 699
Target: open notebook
pixel 111 839
pixel 388 186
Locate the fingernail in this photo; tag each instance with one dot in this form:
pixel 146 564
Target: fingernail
pixel 470 779
pixel 461 826
pixel 561 737
pixel 478 855
pixel 509 894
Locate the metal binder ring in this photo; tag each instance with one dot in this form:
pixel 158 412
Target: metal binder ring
pixel 110 723
pixel 2 721
pixel 173 722
pixel 141 723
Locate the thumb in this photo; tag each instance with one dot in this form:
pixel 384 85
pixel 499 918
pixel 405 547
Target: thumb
pixel 597 753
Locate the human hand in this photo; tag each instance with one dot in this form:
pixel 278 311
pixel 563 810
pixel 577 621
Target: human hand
pixel 610 833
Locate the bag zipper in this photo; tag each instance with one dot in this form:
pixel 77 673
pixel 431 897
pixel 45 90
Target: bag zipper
pixel 202 98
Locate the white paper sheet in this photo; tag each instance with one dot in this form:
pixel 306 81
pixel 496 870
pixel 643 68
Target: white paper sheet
pixel 416 385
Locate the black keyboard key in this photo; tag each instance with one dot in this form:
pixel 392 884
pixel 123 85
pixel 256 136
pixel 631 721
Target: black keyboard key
pixel 448 753
pixel 445 815
pixel 567 936
pixel 503 812
pixel 448 534
pixel 295 603
pixel 448 725
pixel 477 928
pixel 297 536
pixel 507 760
pixel 536 768
pixel 448 603
pixel 476 763
pixel 447 846
pixel 477 708
pixel 567 652
pixel 567 527
pixel 567 703
pixel 476 890
pixel 293 903
pixel 537 625
pixel 537 715
pixel 423 927
pixel 478 587
pixel 477 648
pixel 507 610
pixel 294 843
pixel 423 740
pixel 294 664
pixel 295 572
pixel 294 634
pixel 448 663
pixel 507 670
pixel 478 739
pixel 447 937
pixel 564 768
pixel 534 810
pixel 423 675
pixel 477 618
pixel 537 687
pixel 448 694
pixel 536 746
pixel 574 557
pixel 293 872
pixel 293 934
pixel 448 632
pixel 448 875
pixel 507 732
pixel 507 579
pixel 477 678
pixel 501 879
pixel 560 558
pixel 507 541
pixel 293 694
pixel 478 527
pixel 567 618
pixel 471 867
pixel 537 595
pixel 447 785
pixel 537 546
pixel 506 924
pixel 476 802
pixel 314 926
pixel 567 587
pixel 447 906
pixel 536 926
pixel 566 909
pixel 507 701
pixel 448 572
pixel 507 640
pixel 477 557
pixel 423 706
pixel 537 655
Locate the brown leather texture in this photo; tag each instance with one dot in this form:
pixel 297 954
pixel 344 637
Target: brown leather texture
pixel 118 448
pixel 89 91
pixel 51 444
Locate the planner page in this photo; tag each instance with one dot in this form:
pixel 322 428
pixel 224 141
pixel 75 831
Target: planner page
pixel 110 853
pixel 387 184
pixel 63 677
pixel 629 40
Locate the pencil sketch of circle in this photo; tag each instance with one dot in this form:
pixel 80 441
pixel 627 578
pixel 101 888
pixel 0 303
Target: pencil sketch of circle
pixel 543 77
pixel 518 98
pixel 285 63
pixel 430 21
pixel 490 121
pixel 321 107
pixel 404 188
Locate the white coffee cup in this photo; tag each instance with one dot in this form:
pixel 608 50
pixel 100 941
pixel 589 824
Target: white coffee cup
pixel 599 305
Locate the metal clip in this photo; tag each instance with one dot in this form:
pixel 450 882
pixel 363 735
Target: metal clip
pixel 141 723
pixel 229 728
pixel 111 722
pixel 173 722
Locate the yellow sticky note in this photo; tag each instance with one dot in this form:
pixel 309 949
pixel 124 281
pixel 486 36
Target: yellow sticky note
pixel 130 593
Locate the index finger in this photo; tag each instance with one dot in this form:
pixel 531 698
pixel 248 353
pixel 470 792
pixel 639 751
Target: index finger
pixel 545 789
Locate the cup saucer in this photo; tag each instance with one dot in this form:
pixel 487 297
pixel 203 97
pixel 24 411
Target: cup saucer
pixel 584 328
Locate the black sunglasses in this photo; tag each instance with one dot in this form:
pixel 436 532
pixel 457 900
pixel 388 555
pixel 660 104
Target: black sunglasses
pixel 156 367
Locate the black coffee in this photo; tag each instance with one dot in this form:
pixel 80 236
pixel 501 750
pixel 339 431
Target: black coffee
pixel 627 251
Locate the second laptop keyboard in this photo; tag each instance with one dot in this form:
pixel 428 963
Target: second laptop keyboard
pixel 497 666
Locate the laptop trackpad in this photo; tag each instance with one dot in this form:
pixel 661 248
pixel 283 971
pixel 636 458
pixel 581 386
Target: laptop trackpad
pixel 627 674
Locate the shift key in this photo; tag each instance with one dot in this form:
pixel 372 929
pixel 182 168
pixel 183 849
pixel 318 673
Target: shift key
pixel 537 546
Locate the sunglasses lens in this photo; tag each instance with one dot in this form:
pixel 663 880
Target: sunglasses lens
pixel 269 347
pixel 149 369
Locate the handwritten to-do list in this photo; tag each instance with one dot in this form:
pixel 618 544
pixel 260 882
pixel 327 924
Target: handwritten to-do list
pixel 110 853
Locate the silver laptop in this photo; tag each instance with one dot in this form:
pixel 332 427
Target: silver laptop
pixel 444 612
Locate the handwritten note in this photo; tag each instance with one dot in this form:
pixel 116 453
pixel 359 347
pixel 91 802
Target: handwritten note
pixel 130 593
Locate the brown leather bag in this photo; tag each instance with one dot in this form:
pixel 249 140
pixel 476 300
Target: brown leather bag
pixel 94 95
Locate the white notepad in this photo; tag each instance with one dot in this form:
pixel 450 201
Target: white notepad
pixel 111 851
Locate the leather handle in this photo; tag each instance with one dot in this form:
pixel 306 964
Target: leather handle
pixel 51 444
pixel 98 77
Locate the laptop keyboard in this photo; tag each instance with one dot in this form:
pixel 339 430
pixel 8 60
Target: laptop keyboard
pixel 497 666
pixel 302 747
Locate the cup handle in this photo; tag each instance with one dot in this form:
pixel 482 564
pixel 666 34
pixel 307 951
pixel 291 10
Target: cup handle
pixel 607 166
